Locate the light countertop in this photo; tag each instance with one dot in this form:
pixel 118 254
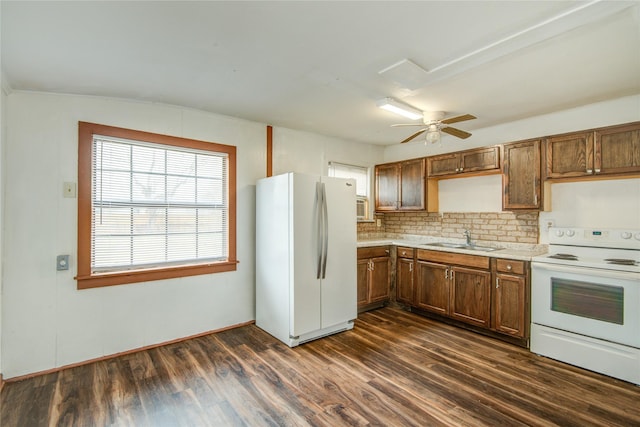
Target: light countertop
pixel 517 251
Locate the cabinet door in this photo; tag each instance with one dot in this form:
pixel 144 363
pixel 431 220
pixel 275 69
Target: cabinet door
pixel 387 187
pixel 510 305
pixel 617 149
pixel 569 155
pixel 404 281
pixel 432 287
pixel 412 185
pixel 380 275
pixel 521 176
pixel 446 164
pixel 471 296
pixel 482 159
pixel 363 281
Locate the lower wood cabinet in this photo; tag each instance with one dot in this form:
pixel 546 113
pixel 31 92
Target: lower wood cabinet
pixel 405 264
pixel 491 294
pixel 471 296
pixel 461 293
pixel 374 274
pixel 511 298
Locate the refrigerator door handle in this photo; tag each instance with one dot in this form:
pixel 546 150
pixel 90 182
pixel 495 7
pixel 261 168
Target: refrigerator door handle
pixel 319 203
pixel 325 220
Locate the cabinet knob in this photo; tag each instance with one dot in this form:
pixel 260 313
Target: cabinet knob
pixel 589 170
pixel 597 170
pixel 509 267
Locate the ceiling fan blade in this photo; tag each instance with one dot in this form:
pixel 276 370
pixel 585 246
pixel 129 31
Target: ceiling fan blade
pixel 459 119
pixel 456 132
pixel 413 136
pixel 406 124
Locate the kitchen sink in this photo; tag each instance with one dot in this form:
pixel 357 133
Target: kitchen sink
pixel 463 246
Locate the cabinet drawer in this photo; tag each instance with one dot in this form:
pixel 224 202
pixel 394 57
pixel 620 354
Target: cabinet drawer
pixel 510 266
pixel 374 252
pixel 405 252
pixel 454 258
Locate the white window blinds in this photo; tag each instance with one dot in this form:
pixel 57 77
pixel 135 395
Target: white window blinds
pixel 156 205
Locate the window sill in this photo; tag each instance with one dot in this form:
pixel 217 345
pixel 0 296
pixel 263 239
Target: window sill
pixel 98 280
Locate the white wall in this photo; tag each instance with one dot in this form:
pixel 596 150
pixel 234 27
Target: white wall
pixel 3 100
pixel 47 322
pixel 297 151
pixel 611 203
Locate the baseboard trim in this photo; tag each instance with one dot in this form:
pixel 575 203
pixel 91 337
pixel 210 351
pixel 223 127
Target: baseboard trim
pixel 123 353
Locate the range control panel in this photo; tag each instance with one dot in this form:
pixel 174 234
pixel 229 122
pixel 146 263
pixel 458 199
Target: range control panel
pixel 596 237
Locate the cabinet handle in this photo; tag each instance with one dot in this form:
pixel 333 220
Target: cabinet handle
pixel 497 283
pixel 451 276
pixel 387 252
pixel 461 169
pixel 589 170
pixel 410 267
pixel 446 274
pixel 370 265
pixel 597 170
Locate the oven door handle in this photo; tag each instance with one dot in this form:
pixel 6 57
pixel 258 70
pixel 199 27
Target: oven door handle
pixel 614 274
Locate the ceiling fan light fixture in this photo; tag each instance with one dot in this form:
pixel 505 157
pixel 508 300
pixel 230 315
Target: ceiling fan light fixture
pixel 432 135
pixel 399 108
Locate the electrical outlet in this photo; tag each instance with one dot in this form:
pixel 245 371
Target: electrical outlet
pixel 549 223
pixel 378 223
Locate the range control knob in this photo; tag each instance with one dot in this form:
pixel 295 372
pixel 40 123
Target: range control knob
pixel 570 233
pixel 625 235
pixel 559 233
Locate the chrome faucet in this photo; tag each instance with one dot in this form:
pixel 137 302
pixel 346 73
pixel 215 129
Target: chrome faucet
pixel 467 234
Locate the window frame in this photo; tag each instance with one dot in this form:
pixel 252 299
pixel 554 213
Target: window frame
pixel 85 277
pixel 366 198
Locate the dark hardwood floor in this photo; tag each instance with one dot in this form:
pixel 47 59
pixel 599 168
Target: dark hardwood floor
pixel 394 369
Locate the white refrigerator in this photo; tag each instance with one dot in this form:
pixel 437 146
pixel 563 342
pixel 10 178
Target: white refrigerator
pixel 306 256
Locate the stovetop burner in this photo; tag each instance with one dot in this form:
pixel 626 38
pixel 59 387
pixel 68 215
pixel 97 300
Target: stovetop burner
pixel 568 257
pixel 602 249
pixel 619 261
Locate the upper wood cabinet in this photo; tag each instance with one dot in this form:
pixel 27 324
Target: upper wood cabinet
pixel 400 186
pixel 605 151
pixel 464 162
pixel 521 176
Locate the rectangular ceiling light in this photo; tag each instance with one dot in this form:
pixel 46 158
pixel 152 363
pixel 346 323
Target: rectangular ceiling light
pixel 404 110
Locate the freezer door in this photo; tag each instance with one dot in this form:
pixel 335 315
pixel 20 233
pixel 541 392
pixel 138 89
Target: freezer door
pixel 305 287
pixel 339 292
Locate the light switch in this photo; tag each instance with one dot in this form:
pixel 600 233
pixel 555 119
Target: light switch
pixel 62 262
pixel 69 190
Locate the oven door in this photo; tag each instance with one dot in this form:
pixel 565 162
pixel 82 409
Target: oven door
pixel 597 303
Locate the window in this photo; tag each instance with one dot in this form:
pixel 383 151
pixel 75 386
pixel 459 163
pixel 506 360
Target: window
pixel 152 206
pixel 361 175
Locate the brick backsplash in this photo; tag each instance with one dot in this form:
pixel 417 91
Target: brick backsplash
pixel 515 227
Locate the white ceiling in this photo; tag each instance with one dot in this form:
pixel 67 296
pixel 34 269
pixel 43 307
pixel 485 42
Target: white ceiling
pixel 315 66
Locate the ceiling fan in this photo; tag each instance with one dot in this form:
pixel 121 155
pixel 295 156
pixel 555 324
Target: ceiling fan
pixel 434 123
